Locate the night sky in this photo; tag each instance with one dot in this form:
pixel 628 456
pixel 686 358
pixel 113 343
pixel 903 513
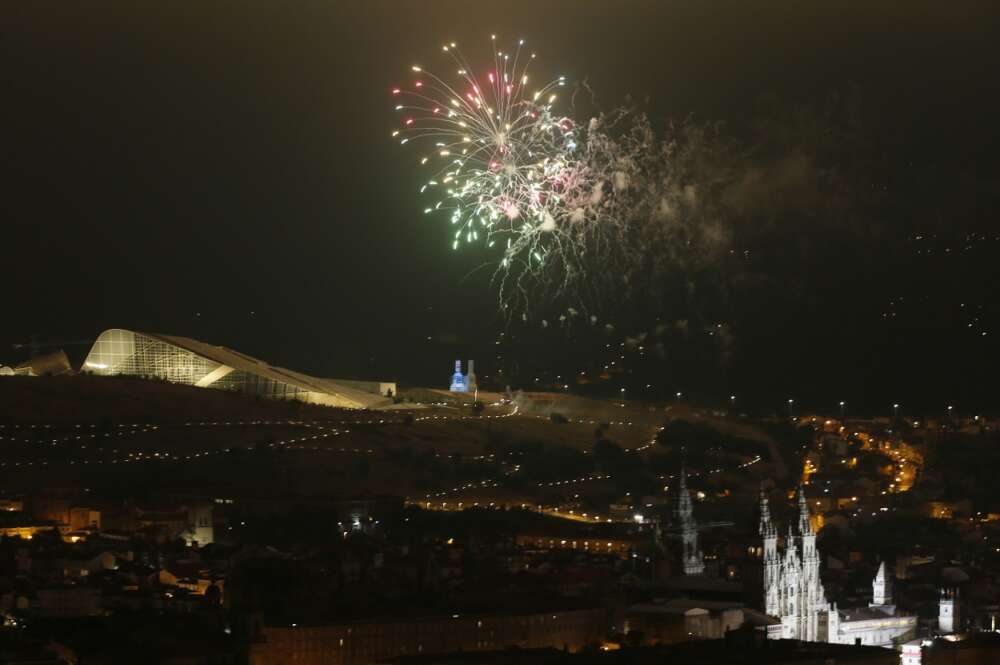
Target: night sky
pixel 224 171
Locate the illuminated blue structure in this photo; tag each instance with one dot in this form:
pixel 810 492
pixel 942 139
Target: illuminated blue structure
pixel 464 383
pixel 459 383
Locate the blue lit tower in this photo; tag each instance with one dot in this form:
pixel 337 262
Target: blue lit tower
pixel 459 384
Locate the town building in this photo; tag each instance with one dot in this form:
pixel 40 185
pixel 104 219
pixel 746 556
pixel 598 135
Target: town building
pixel 593 544
pixel 361 642
pixel 682 619
pixel 947 618
pixel 879 624
pixel 912 653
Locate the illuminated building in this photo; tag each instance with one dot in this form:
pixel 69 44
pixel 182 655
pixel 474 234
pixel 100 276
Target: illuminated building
pixel 11 505
pixel 794 594
pixel 470 378
pixel 464 383
pixel 946 611
pixel 190 362
pixel 458 379
pixel 50 364
pixel 361 642
pixel 621 547
pixel 691 557
pixel 879 624
pixel 683 619
pixel 23 526
pixel 193 522
pixel 912 653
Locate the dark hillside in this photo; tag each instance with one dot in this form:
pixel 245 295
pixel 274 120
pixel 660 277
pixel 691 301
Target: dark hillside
pixel 92 399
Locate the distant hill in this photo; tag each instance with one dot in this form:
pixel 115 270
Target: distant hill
pixel 92 399
pixel 213 441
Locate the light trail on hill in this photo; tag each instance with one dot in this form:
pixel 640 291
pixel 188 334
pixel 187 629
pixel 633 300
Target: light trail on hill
pixel 326 427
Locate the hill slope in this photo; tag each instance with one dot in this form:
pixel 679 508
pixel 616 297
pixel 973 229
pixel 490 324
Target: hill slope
pixel 92 399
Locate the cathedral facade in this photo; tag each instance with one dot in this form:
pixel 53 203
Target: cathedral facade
pixel 793 592
pixel 794 596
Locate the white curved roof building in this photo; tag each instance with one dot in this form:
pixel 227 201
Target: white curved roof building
pixel 190 362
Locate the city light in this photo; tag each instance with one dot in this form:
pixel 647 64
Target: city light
pixel 230 180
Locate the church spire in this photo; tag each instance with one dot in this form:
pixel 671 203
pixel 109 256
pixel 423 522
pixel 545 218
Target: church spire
pixel 766 527
pixel 805 528
pixel 793 590
pixel 882 587
pixel 683 509
pixel 691 557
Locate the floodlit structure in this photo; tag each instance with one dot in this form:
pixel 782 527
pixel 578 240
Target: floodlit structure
pixel 190 362
pixel 50 364
pixel 795 597
pixel 684 523
pixel 458 379
pixel 793 592
pixel 946 611
pixel 464 383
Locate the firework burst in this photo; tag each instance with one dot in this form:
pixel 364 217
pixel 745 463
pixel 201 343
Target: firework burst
pixel 507 168
pixel 579 215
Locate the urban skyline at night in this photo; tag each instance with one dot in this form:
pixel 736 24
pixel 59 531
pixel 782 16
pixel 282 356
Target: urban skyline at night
pixel 464 333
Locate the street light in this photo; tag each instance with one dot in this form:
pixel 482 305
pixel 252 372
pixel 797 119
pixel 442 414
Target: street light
pixel 895 410
pixel 791 404
pixel 842 405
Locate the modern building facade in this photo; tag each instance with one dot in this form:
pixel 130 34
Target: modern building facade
pixel 190 362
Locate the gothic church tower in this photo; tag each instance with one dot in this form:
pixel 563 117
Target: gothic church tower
pixel 691 556
pixel 793 592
